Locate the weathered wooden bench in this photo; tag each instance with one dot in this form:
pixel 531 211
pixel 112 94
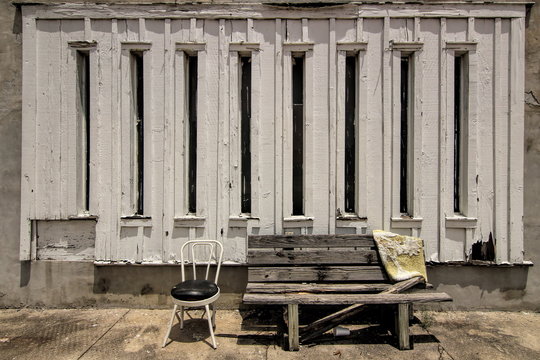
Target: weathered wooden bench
pixel 297 270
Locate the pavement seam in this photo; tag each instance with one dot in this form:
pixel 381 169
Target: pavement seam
pixel 440 346
pixel 102 335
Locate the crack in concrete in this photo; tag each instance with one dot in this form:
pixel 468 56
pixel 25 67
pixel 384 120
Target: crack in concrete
pixel 102 335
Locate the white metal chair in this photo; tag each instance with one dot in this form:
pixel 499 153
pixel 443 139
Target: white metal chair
pixel 197 293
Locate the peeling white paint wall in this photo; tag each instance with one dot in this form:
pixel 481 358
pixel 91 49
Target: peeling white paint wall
pixel 493 35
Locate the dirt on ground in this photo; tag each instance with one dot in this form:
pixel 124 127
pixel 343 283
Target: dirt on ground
pixel 254 333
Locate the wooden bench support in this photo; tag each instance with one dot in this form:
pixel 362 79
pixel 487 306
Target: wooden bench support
pixel 293 270
pixel 294 339
pixel 402 326
pixel 320 326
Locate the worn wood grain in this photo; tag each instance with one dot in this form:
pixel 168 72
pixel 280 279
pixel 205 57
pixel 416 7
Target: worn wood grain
pixel 301 257
pixel 277 288
pixel 316 273
pixel 343 299
pixel 310 241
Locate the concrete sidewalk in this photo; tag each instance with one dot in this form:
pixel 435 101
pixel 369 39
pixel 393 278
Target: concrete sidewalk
pixel 138 334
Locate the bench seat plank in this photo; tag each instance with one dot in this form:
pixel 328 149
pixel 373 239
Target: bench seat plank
pixel 344 299
pixel 310 241
pixel 310 256
pixel 277 288
pixel 316 273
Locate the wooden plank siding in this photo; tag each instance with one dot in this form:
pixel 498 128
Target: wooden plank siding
pixel 492 36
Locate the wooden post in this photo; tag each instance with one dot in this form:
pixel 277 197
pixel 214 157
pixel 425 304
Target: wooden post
pixel 294 341
pixel 402 326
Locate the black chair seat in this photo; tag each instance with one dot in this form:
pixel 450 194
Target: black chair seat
pixel 194 290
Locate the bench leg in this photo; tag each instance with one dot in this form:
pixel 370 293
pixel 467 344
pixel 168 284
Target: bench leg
pixel 292 313
pixel 402 326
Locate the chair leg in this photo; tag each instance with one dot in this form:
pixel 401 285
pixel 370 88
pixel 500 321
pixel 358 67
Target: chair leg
pixel 213 316
pixel 181 317
pixel 170 326
pixel 210 326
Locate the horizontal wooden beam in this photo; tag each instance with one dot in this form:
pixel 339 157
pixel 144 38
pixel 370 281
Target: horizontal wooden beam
pixel 312 257
pixel 310 241
pixel 344 299
pixel 259 11
pixel 316 273
pixel 283 288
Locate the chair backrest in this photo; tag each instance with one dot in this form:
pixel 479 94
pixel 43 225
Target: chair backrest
pixel 215 255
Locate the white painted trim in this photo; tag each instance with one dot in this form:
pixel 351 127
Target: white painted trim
pixel 352 46
pixel 461 46
pixel 405 47
pixel 135 222
pixel 461 222
pixel 406 223
pixel 244 47
pixel 190 47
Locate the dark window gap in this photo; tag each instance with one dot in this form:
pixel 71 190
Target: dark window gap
pixel 138 97
pixel 83 84
pixel 458 84
pixel 192 121
pixel 298 134
pixel 350 133
pixel 245 104
pixel 404 136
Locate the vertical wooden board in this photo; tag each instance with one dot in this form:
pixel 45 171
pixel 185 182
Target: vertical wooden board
pixel 473 141
pixel 101 137
pixel 333 106
pixel 208 176
pixel 132 30
pixel 500 146
pixel 234 249
pixel 128 244
pixel 223 152
pixel 293 31
pixel 338 132
pixel 516 134
pixel 266 119
pixel 386 81
pixel 484 32
pixel 401 29
pixel 456 29
pixel 118 35
pixel 28 126
pixel 345 30
pixel 238 31
pixel 48 120
pixel 278 130
pixel 373 29
pixel 418 136
pixel 255 135
pixel 362 99
pixel 178 237
pixel 396 132
pixel 155 94
pixel 429 30
pixel 317 127
pixel 70 181
pixel 287 129
pixel 234 135
pixel 453 244
pixel 168 197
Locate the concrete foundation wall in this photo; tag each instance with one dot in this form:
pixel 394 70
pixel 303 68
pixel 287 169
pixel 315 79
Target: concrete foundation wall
pixel 79 284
